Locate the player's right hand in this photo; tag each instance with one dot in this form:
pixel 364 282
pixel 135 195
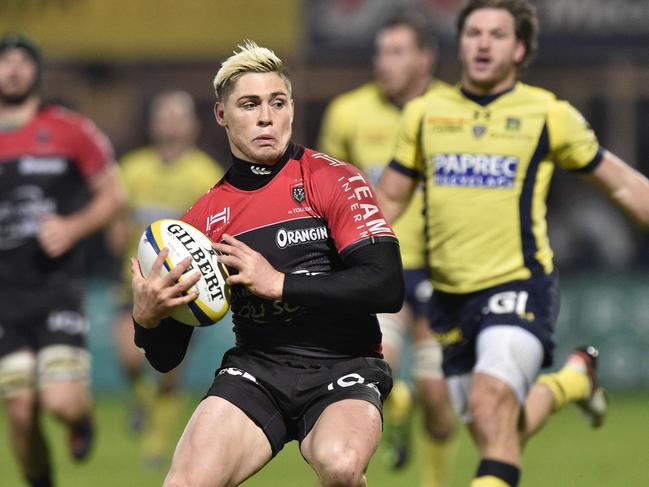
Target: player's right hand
pixel 155 296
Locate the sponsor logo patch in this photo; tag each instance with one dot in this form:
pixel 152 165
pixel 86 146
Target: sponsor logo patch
pixel 286 238
pixel 475 170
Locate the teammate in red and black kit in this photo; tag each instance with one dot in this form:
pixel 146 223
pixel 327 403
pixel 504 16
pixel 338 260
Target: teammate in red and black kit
pixel 57 185
pixel 313 260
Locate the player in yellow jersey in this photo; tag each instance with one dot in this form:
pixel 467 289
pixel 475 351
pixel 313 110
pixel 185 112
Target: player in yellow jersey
pixel 360 127
pixel 486 151
pixel 162 180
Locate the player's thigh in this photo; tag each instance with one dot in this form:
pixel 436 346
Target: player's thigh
pixel 507 354
pixel 511 354
pixel 348 431
pixel 220 446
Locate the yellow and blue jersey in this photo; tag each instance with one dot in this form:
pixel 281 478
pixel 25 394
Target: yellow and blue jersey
pixel 487 165
pixel 361 127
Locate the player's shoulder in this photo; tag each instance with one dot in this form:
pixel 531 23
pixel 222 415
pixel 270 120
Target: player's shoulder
pixel 555 106
pixel 438 87
pixel 66 117
pixel 203 159
pixel 318 164
pixel 362 95
pixel 142 156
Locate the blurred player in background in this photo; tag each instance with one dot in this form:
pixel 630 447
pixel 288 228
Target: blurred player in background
pixel 312 263
pixel 162 181
pixel 58 184
pixel 486 150
pixel 361 127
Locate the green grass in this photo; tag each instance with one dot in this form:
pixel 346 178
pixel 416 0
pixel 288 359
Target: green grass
pixel 565 454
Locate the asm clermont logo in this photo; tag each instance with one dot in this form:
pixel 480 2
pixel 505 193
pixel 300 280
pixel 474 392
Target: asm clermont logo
pixel 297 192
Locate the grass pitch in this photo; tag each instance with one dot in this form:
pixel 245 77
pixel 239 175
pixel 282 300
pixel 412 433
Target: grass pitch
pixel 567 453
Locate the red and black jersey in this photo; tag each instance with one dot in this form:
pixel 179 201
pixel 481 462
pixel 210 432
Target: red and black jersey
pixel 45 167
pixel 311 212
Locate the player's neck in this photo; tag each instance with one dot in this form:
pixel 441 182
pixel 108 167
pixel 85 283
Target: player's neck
pixel 487 89
pixel 417 88
pixel 170 151
pixel 18 115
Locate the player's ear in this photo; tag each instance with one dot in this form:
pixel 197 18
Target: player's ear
pixel 219 114
pixel 519 53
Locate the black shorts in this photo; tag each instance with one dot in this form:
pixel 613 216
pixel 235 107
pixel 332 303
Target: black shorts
pixel 457 319
pixel 418 290
pixel 38 318
pixel 285 394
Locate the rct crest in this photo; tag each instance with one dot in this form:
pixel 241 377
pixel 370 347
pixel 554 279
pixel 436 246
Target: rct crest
pixel 298 193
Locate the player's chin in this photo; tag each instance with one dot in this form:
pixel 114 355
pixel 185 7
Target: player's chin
pixel 268 155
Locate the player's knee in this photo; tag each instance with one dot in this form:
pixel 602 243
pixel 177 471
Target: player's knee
pixel 63 376
pixel 339 466
pixel 489 400
pixel 493 405
pixel 21 411
pixel 440 426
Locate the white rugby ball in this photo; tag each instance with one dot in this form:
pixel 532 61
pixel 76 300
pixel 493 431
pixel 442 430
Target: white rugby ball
pixel 182 240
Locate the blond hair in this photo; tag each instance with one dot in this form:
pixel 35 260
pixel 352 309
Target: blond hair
pixel 251 58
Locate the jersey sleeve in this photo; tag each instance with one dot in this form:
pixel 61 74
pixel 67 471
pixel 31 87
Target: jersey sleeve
pixel 346 199
pixel 335 130
pixel 573 143
pixel 407 156
pixel 94 151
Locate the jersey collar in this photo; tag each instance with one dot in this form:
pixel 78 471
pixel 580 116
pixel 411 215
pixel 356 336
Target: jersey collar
pixel 249 176
pixel 484 100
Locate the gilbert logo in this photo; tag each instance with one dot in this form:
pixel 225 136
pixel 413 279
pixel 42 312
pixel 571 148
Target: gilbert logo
pixel 260 170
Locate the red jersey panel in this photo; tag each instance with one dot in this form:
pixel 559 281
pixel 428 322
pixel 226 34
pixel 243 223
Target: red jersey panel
pixel 313 211
pixel 45 167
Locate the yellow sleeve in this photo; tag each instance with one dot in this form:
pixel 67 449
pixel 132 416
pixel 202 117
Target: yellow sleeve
pixel 408 151
pixel 573 143
pixel 335 131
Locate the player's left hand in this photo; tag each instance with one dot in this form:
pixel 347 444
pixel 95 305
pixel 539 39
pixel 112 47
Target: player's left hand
pixel 254 271
pixel 57 234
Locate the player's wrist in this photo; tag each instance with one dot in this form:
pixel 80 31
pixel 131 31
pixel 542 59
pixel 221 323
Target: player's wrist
pixel 148 323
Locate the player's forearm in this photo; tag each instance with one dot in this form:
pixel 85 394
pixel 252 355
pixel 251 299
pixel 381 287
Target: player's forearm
pixel 372 283
pixel 393 193
pixel 107 201
pixel 627 187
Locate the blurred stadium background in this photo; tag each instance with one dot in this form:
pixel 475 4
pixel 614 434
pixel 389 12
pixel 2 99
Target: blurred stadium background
pixel 107 59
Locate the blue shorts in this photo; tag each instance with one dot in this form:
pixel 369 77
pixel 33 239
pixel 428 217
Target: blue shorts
pixel 418 290
pixel 457 319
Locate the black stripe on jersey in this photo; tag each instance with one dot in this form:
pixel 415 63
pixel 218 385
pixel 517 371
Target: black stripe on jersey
pixel 406 171
pixel 525 204
pixel 592 165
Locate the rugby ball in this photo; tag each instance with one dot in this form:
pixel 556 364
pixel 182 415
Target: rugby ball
pixel 182 240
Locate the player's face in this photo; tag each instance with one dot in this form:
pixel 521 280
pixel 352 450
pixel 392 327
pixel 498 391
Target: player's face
pixel 257 116
pixel 173 121
pixel 17 76
pixel 398 61
pixel 489 51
